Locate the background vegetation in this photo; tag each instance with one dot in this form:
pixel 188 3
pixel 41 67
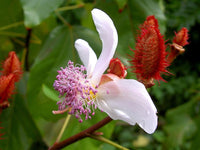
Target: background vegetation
pixel 29 124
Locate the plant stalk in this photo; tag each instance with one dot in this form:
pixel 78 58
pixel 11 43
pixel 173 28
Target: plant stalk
pixel 80 135
pixel 63 128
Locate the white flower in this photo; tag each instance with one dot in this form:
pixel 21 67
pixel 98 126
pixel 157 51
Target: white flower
pixel 121 99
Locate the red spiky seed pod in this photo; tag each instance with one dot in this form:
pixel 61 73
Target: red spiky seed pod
pixel 12 65
pixel 181 38
pixel 176 48
pixel 7 86
pixel 149 59
pixel 150 21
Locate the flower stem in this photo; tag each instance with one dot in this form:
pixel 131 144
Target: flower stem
pixel 63 128
pixel 62 19
pixel 100 138
pixel 69 7
pixel 80 135
pixel 12 34
pixel 12 25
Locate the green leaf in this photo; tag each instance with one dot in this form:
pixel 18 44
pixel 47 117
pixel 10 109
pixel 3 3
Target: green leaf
pixel 159 136
pixel 11 25
pixel 11 12
pixel 182 13
pixel 180 125
pixel 121 3
pixel 20 131
pixel 139 10
pixel 35 11
pixel 55 53
pixel 179 131
pixel 195 141
pixel 39 34
pixel 50 93
pixel 5 46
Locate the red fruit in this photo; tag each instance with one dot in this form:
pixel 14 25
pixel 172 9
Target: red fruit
pixel 149 59
pixel 181 37
pixel 7 86
pixel 12 65
pixel 150 21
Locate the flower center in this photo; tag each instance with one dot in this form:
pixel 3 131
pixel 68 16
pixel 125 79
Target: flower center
pixel 76 91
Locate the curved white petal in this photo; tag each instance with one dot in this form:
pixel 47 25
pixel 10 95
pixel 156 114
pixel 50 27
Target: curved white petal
pixel 129 101
pixel 87 55
pixel 109 38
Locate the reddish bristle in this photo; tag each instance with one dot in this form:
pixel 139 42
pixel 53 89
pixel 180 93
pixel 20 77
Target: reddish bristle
pixel 12 65
pixel 181 38
pixel 7 86
pixel 150 56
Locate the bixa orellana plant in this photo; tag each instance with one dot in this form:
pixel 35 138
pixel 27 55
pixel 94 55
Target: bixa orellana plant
pixel 10 74
pixel 83 88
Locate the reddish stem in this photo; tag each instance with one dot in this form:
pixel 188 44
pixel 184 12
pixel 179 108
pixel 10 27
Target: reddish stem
pixel 80 135
pixel 27 43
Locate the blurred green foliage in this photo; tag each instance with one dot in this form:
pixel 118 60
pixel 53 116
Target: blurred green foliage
pixel 29 123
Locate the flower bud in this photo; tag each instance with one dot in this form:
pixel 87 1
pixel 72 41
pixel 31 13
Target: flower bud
pixel 117 68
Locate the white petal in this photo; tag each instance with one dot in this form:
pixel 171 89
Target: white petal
pixel 87 55
pixel 109 38
pixel 129 101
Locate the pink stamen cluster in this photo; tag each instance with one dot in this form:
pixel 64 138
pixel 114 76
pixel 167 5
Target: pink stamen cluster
pixel 76 91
